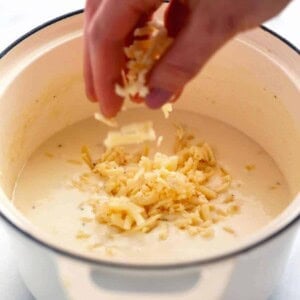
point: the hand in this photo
(200, 28)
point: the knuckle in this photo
(92, 33)
(141, 7)
(96, 36)
(231, 23)
(184, 70)
(174, 75)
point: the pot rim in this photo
(132, 266)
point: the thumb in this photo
(203, 34)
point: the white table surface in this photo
(19, 16)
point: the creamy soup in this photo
(44, 192)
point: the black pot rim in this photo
(131, 266)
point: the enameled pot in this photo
(252, 84)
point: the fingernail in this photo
(158, 97)
(107, 112)
(92, 99)
(90, 95)
(176, 96)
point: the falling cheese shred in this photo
(159, 141)
(109, 122)
(167, 109)
(135, 133)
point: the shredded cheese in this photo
(135, 133)
(167, 109)
(150, 43)
(229, 229)
(82, 235)
(159, 141)
(144, 192)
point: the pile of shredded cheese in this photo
(150, 43)
(188, 189)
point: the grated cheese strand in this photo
(167, 109)
(109, 122)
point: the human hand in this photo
(200, 28)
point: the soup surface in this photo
(46, 195)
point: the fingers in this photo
(260, 11)
(195, 43)
(176, 16)
(90, 9)
(200, 28)
(208, 25)
(88, 75)
(107, 33)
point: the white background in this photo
(19, 16)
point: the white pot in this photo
(252, 84)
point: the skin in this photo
(200, 28)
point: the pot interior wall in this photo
(242, 86)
